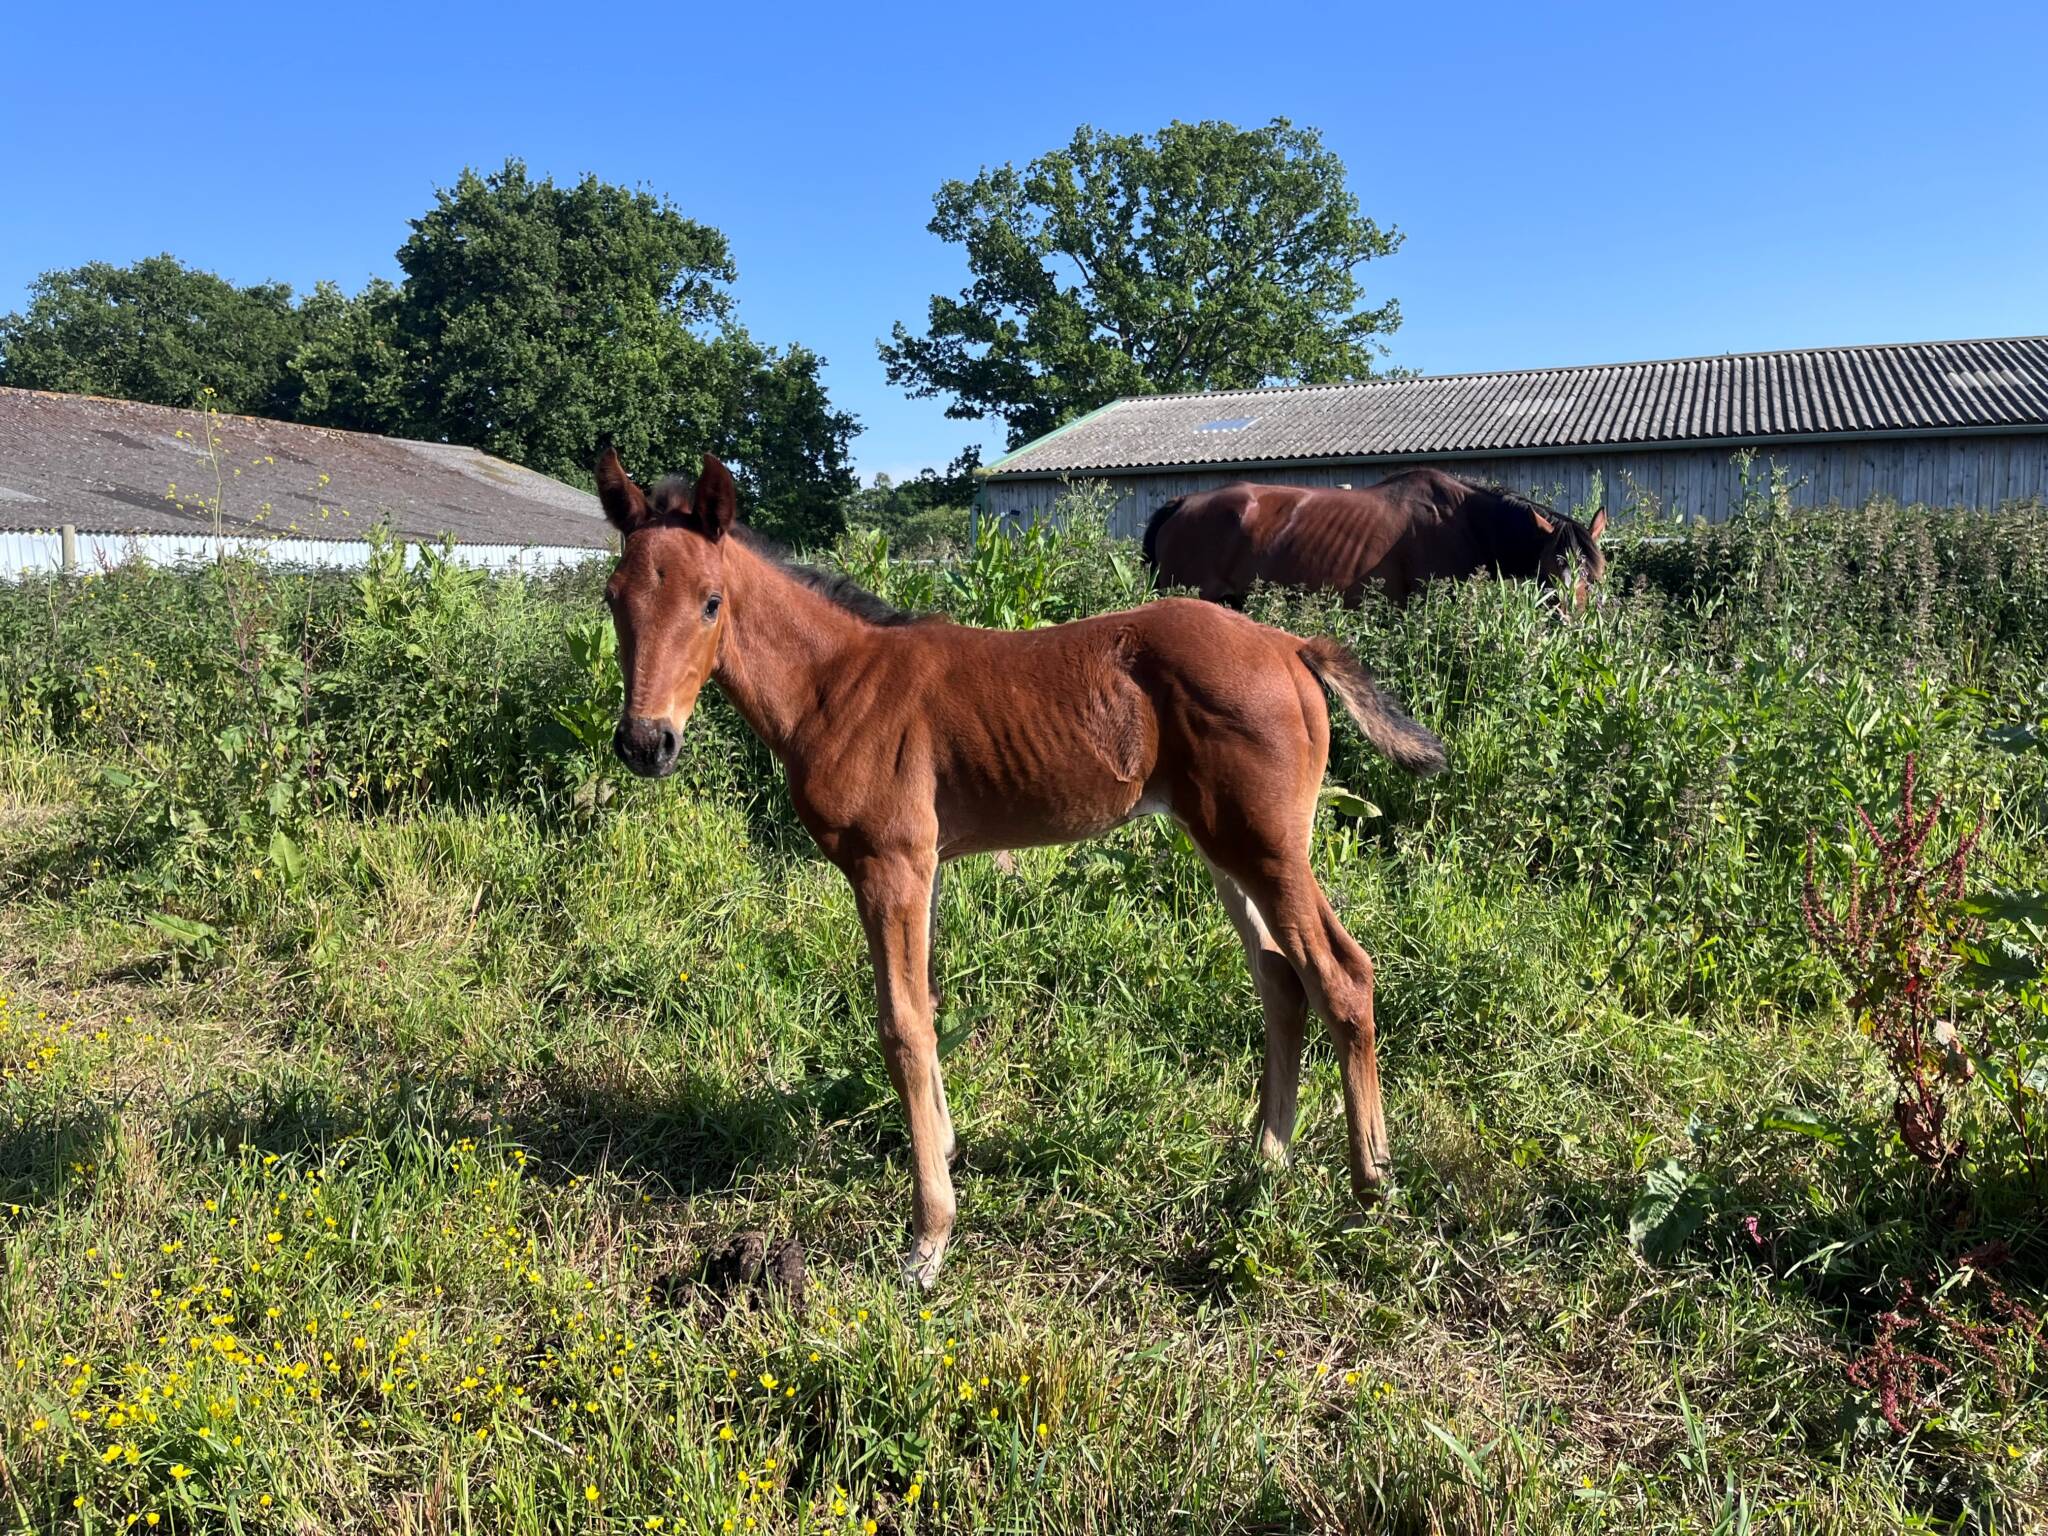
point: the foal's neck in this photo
(782, 641)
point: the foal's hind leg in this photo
(1337, 974)
(1351, 1028)
(1285, 1005)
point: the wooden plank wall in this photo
(1986, 472)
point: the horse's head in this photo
(667, 602)
(1571, 559)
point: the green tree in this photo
(540, 317)
(157, 331)
(1201, 257)
(931, 506)
(787, 446)
(352, 368)
(536, 318)
(532, 320)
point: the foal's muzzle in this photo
(648, 747)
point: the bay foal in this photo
(912, 741)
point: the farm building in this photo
(1960, 423)
(127, 479)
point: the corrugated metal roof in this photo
(116, 466)
(1743, 397)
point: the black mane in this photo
(1580, 535)
(1519, 502)
(840, 591)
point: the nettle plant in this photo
(210, 739)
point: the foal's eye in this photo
(711, 607)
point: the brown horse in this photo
(909, 741)
(1408, 529)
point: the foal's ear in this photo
(1599, 524)
(1543, 523)
(625, 504)
(716, 500)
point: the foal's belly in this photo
(1033, 816)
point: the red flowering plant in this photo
(1899, 933)
(1948, 987)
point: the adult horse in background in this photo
(909, 741)
(1409, 529)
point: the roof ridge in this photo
(352, 433)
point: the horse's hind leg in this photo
(1285, 1005)
(1351, 1028)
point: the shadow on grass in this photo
(41, 1157)
(686, 1140)
(61, 861)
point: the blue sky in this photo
(1576, 183)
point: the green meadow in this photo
(378, 1065)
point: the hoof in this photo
(1372, 1199)
(1272, 1151)
(920, 1268)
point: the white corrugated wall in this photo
(24, 553)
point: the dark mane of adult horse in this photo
(1409, 529)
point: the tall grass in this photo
(458, 1049)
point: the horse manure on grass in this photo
(747, 1262)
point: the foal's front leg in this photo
(894, 894)
(931, 949)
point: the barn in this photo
(87, 482)
(1956, 423)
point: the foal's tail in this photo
(1377, 713)
(1160, 514)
